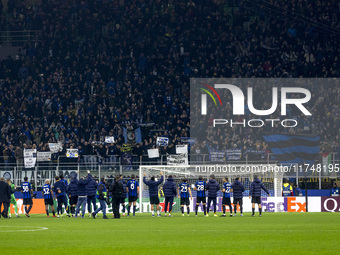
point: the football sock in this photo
(253, 210)
(241, 208)
(182, 209)
(158, 212)
(134, 210)
(47, 212)
(223, 208)
(260, 210)
(25, 209)
(204, 209)
(231, 209)
(188, 209)
(128, 209)
(123, 208)
(29, 209)
(196, 209)
(53, 213)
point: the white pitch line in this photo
(21, 230)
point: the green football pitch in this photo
(274, 233)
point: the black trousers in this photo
(5, 211)
(115, 206)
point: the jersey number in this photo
(184, 189)
(25, 188)
(200, 187)
(132, 186)
(46, 191)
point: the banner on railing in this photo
(177, 160)
(43, 156)
(153, 153)
(72, 153)
(182, 149)
(162, 141)
(30, 157)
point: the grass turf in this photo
(274, 233)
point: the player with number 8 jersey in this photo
(200, 189)
(133, 191)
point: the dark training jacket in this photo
(169, 188)
(72, 188)
(91, 187)
(238, 189)
(153, 186)
(255, 188)
(212, 187)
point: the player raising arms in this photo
(226, 197)
(13, 200)
(48, 197)
(133, 191)
(183, 192)
(200, 188)
(27, 191)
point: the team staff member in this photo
(335, 190)
(169, 193)
(48, 197)
(72, 191)
(82, 195)
(13, 200)
(101, 196)
(116, 190)
(255, 193)
(212, 187)
(67, 207)
(5, 196)
(124, 194)
(91, 190)
(27, 191)
(183, 192)
(59, 188)
(153, 192)
(238, 190)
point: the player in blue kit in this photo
(200, 188)
(226, 197)
(59, 189)
(67, 207)
(183, 192)
(133, 191)
(27, 191)
(48, 197)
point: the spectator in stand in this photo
(335, 190)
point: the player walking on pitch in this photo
(255, 194)
(27, 192)
(226, 197)
(183, 192)
(200, 197)
(13, 200)
(48, 197)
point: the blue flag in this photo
(294, 149)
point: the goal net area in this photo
(270, 175)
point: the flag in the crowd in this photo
(326, 161)
(131, 136)
(294, 149)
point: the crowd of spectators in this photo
(97, 67)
